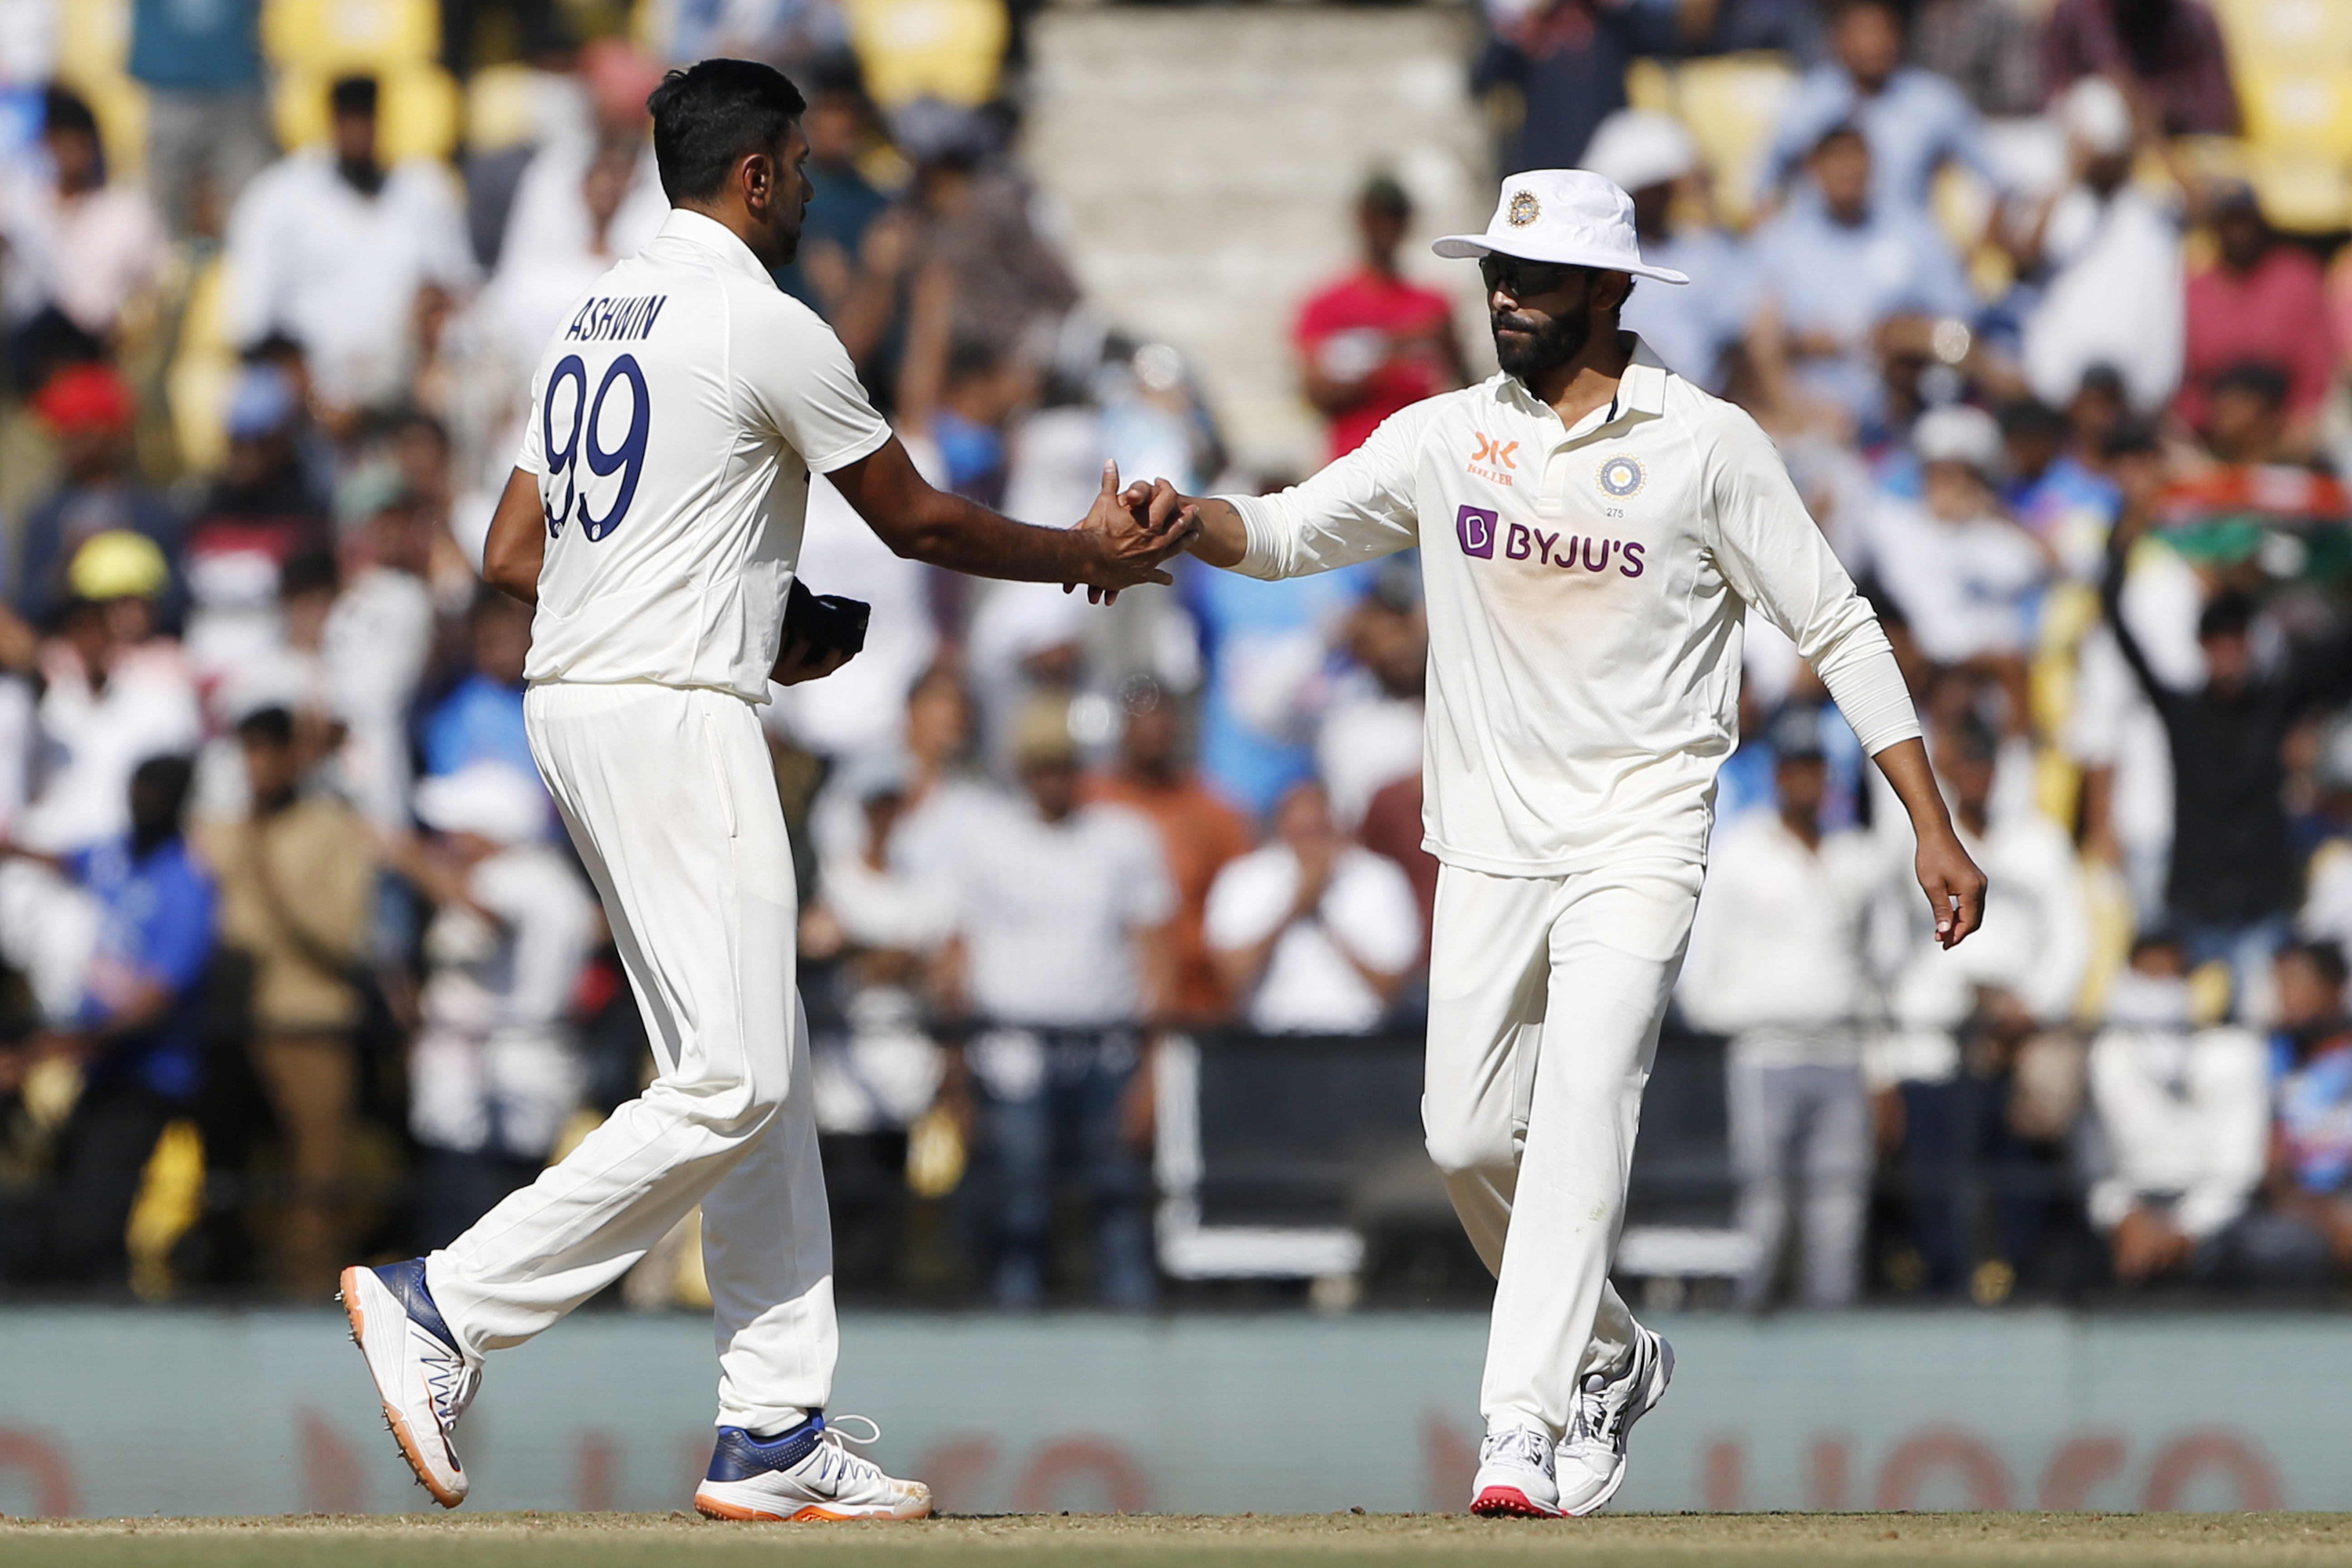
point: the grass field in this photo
(1688, 1541)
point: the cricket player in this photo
(1592, 528)
(655, 517)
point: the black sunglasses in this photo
(1523, 279)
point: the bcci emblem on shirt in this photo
(1622, 476)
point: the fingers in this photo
(1111, 478)
(1166, 505)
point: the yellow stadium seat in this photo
(1730, 103)
(417, 114)
(951, 49)
(2297, 32)
(350, 35)
(203, 372)
(2296, 109)
(93, 38)
(501, 108)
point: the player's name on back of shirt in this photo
(608, 318)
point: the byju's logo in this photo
(1474, 527)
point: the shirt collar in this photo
(715, 237)
(1640, 390)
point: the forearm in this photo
(1904, 764)
(948, 531)
(1224, 538)
(517, 545)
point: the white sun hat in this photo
(1636, 148)
(1571, 217)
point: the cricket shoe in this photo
(1514, 1476)
(1591, 1461)
(419, 1372)
(805, 1474)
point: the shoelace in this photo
(1596, 1414)
(1520, 1445)
(834, 1459)
(449, 1382)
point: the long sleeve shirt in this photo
(2233, 856)
(1585, 590)
(2185, 1117)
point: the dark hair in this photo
(2260, 379)
(1971, 739)
(352, 95)
(1382, 194)
(2030, 416)
(271, 726)
(162, 782)
(308, 572)
(2228, 614)
(64, 111)
(2323, 956)
(712, 115)
(2132, 438)
(1843, 131)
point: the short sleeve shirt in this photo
(675, 420)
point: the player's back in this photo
(671, 425)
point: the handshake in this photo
(1137, 529)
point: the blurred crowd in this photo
(299, 966)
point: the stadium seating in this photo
(93, 46)
(328, 36)
(951, 49)
(1730, 102)
(418, 116)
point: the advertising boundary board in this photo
(110, 1412)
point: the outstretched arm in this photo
(1115, 546)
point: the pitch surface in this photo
(1688, 1541)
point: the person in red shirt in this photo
(1373, 342)
(2263, 300)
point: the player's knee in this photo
(1461, 1148)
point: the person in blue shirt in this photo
(482, 720)
(1915, 121)
(1833, 269)
(135, 1036)
(207, 127)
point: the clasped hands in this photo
(1137, 529)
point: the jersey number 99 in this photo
(584, 442)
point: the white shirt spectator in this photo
(88, 255)
(2184, 1115)
(1050, 912)
(374, 647)
(92, 741)
(2114, 297)
(1776, 953)
(1309, 987)
(547, 259)
(1966, 588)
(1369, 740)
(339, 272)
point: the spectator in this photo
(1318, 935)
(257, 513)
(1831, 271)
(1373, 343)
(2168, 54)
(331, 248)
(378, 636)
(1965, 577)
(1200, 833)
(2234, 878)
(1913, 120)
(79, 251)
(1566, 59)
(1693, 330)
(1990, 49)
(2061, 500)
(1776, 962)
(134, 1035)
(114, 694)
(843, 202)
(2105, 261)
(207, 126)
(1391, 828)
(2183, 1117)
(2247, 416)
(2259, 300)
(2310, 1178)
(296, 875)
(482, 720)
(1372, 719)
(1060, 955)
(89, 409)
(494, 1073)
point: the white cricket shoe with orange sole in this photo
(804, 1475)
(420, 1374)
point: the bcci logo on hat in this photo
(1622, 476)
(1524, 209)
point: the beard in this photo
(1549, 346)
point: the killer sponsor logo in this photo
(1493, 460)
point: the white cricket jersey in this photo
(1585, 590)
(674, 423)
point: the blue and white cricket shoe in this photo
(419, 1372)
(1591, 1460)
(804, 1474)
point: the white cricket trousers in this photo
(1544, 998)
(671, 800)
